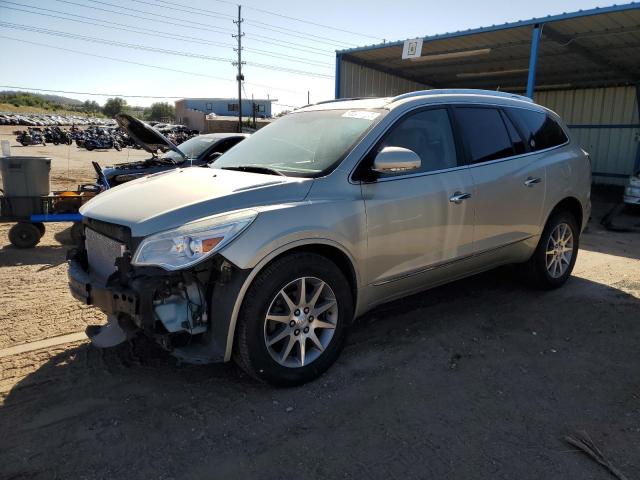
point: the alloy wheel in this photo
(559, 250)
(300, 322)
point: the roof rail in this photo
(460, 91)
(338, 100)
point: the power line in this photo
(308, 22)
(263, 38)
(190, 25)
(209, 27)
(146, 31)
(88, 93)
(211, 13)
(144, 64)
(119, 26)
(157, 50)
(263, 25)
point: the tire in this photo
(536, 270)
(251, 352)
(41, 228)
(24, 235)
(89, 146)
(24, 143)
(117, 146)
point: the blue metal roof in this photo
(506, 26)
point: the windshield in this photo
(192, 148)
(303, 144)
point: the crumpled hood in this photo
(167, 200)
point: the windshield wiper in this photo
(255, 169)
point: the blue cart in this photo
(30, 214)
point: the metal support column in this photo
(636, 166)
(338, 74)
(533, 59)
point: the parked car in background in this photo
(268, 256)
(199, 151)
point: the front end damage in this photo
(186, 311)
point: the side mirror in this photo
(395, 160)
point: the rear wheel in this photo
(24, 235)
(554, 258)
(292, 323)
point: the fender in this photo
(261, 264)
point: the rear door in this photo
(509, 180)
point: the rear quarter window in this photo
(540, 130)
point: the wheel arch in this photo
(325, 247)
(573, 206)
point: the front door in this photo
(421, 219)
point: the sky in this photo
(192, 45)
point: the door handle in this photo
(531, 181)
(458, 197)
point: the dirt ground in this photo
(482, 378)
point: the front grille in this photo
(118, 232)
(102, 252)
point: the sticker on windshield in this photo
(363, 114)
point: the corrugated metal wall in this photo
(588, 111)
(360, 81)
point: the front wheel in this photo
(552, 263)
(292, 323)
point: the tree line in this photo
(160, 111)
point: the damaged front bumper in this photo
(173, 308)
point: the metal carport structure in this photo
(584, 65)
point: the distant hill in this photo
(61, 100)
(30, 99)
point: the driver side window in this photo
(429, 134)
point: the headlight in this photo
(187, 245)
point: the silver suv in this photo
(268, 256)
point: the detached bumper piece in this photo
(109, 335)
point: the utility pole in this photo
(308, 97)
(253, 109)
(239, 63)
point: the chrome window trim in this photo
(459, 167)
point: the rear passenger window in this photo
(540, 130)
(429, 134)
(485, 133)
